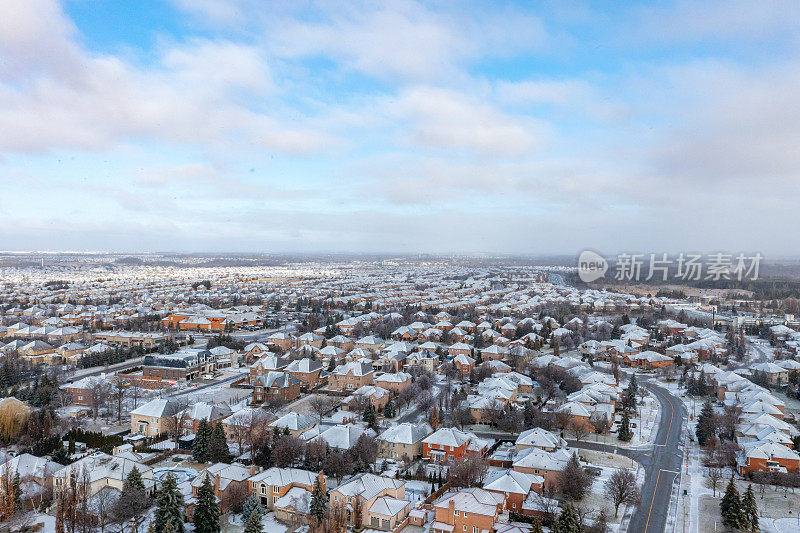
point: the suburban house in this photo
(227, 480)
(295, 423)
(472, 510)
(275, 483)
(449, 443)
(350, 376)
(276, 385)
(156, 417)
(513, 486)
(372, 501)
(394, 382)
(403, 441)
(768, 457)
(265, 364)
(99, 471)
(307, 371)
(191, 416)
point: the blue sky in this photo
(400, 126)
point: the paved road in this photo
(662, 464)
(192, 390)
(97, 370)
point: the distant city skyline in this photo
(400, 127)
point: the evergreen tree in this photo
(319, 503)
(369, 415)
(633, 385)
(200, 444)
(206, 513)
(264, 454)
(17, 489)
(61, 456)
(706, 423)
(537, 526)
(388, 410)
(218, 451)
(169, 511)
(624, 433)
(568, 521)
(749, 512)
(730, 506)
(252, 505)
(253, 524)
(133, 480)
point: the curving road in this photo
(661, 462)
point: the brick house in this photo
(513, 486)
(447, 444)
(191, 416)
(276, 385)
(768, 457)
(307, 371)
(227, 480)
(472, 510)
(395, 382)
(156, 417)
(350, 376)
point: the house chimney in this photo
(252, 470)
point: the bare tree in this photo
(321, 405)
(714, 478)
(337, 465)
(621, 488)
(468, 471)
(462, 417)
(235, 496)
(103, 503)
(118, 392)
(425, 401)
(135, 392)
(287, 451)
(563, 420)
(97, 396)
(600, 423)
(579, 429)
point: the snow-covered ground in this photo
(269, 524)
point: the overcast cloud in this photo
(400, 126)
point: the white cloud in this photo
(441, 118)
(194, 96)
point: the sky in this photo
(400, 126)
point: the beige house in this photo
(350, 376)
(100, 471)
(379, 500)
(156, 417)
(402, 441)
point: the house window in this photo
(276, 489)
(474, 529)
(456, 513)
